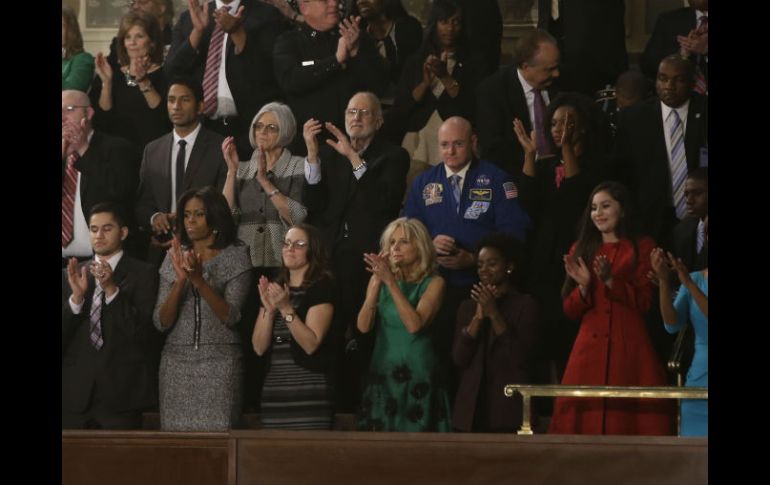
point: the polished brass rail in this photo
(527, 391)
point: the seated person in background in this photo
(293, 326)
(691, 304)
(437, 82)
(396, 35)
(203, 285)
(77, 66)
(494, 341)
(129, 101)
(108, 376)
(405, 390)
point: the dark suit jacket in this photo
(499, 99)
(206, 167)
(685, 245)
(493, 361)
(315, 84)
(640, 160)
(663, 42)
(592, 39)
(249, 74)
(122, 371)
(366, 205)
(109, 172)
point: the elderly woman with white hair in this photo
(264, 192)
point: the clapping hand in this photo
(603, 269)
(262, 286)
(342, 144)
(378, 265)
(577, 270)
(277, 295)
(528, 143)
(77, 280)
(484, 296)
(351, 33)
(310, 130)
(199, 14)
(229, 22)
(103, 69)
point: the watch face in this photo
(289, 318)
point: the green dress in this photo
(405, 389)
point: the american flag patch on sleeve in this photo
(511, 192)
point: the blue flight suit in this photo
(488, 203)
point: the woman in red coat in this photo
(607, 289)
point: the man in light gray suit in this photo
(188, 157)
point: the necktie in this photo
(700, 237)
(700, 80)
(390, 51)
(678, 163)
(68, 199)
(211, 74)
(180, 156)
(454, 181)
(544, 149)
(96, 318)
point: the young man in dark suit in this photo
(109, 372)
(188, 157)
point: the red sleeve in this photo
(633, 289)
(574, 305)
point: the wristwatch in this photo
(288, 318)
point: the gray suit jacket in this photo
(206, 167)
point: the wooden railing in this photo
(528, 391)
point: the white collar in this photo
(524, 84)
(460, 172)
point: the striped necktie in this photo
(96, 318)
(454, 181)
(678, 163)
(211, 74)
(68, 200)
(700, 237)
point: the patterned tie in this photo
(96, 318)
(678, 163)
(544, 149)
(700, 80)
(68, 200)
(180, 156)
(454, 181)
(211, 74)
(700, 237)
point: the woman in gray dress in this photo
(203, 285)
(264, 192)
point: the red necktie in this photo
(211, 74)
(68, 199)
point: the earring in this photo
(215, 231)
(509, 271)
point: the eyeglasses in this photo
(72, 107)
(271, 128)
(355, 112)
(298, 244)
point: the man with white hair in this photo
(355, 185)
(95, 168)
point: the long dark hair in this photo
(442, 10)
(594, 129)
(317, 259)
(589, 237)
(218, 217)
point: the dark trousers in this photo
(443, 329)
(98, 416)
